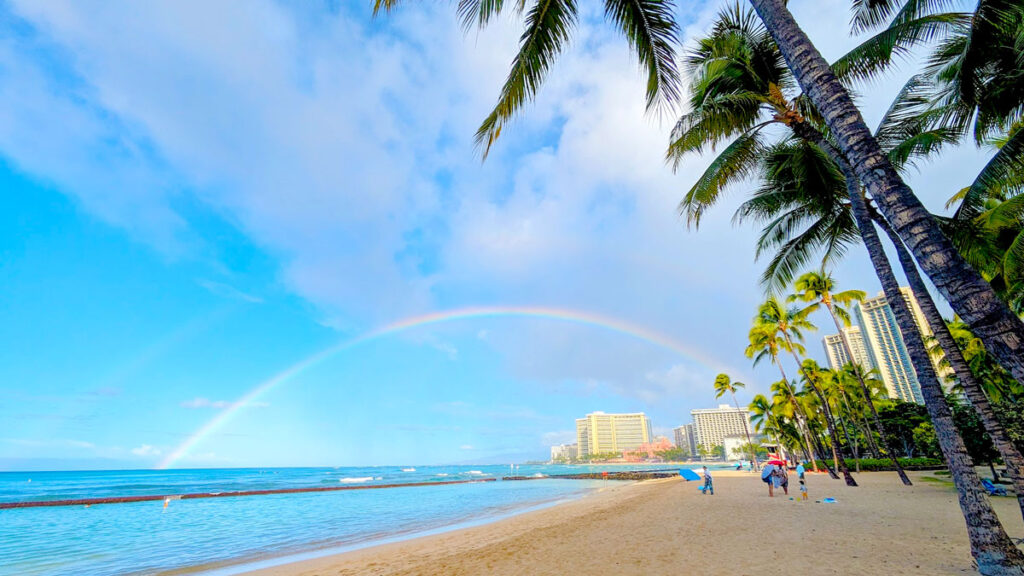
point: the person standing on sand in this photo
(800, 471)
(768, 477)
(708, 484)
(784, 479)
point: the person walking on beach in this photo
(803, 490)
(768, 477)
(784, 479)
(800, 471)
(708, 484)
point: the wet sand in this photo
(669, 527)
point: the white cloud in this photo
(466, 447)
(343, 148)
(146, 450)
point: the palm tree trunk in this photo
(808, 133)
(968, 293)
(746, 430)
(800, 418)
(972, 388)
(992, 549)
(840, 462)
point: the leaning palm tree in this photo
(817, 288)
(989, 543)
(765, 343)
(967, 292)
(789, 323)
(723, 385)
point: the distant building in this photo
(686, 438)
(648, 451)
(714, 424)
(563, 452)
(600, 433)
(836, 351)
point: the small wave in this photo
(539, 475)
(408, 469)
(476, 473)
(358, 480)
(441, 474)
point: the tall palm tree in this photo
(817, 288)
(789, 323)
(724, 384)
(966, 291)
(989, 543)
(765, 343)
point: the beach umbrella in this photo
(777, 462)
(767, 471)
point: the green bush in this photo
(878, 465)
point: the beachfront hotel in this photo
(878, 338)
(714, 424)
(600, 433)
(686, 438)
(564, 452)
(836, 351)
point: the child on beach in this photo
(803, 490)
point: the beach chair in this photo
(992, 489)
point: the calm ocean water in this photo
(146, 538)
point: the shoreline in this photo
(263, 562)
(667, 526)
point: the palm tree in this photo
(725, 384)
(817, 287)
(789, 323)
(989, 543)
(966, 291)
(765, 343)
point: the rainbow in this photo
(558, 314)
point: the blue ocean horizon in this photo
(147, 538)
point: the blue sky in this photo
(197, 197)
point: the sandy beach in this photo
(668, 526)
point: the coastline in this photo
(667, 525)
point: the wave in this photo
(408, 469)
(358, 480)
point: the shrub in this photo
(879, 465)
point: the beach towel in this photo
(992, 489)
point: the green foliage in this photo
(900, 419)
(674, 455)
(884, 464)
(926, 441)
(1011, 415)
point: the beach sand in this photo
(669, 527)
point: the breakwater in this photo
(153, 497)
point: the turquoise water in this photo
(144, 537)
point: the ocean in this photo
(149, 538)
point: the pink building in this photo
(648, 450)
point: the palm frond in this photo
(1005, 167)
(548, 26)
(649, 26)
(735, 162)
(479, 12)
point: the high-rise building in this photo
(836, 351)
(884, 342)
(714, 424)
(600, 433)
(686, 438)
(563, 452)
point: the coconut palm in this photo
(966, 291)
(724, 384)
(765, 343)
(789, 324)
(988, 540)
(817, 288)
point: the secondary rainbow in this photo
(558, 314)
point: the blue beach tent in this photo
(688, 474)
